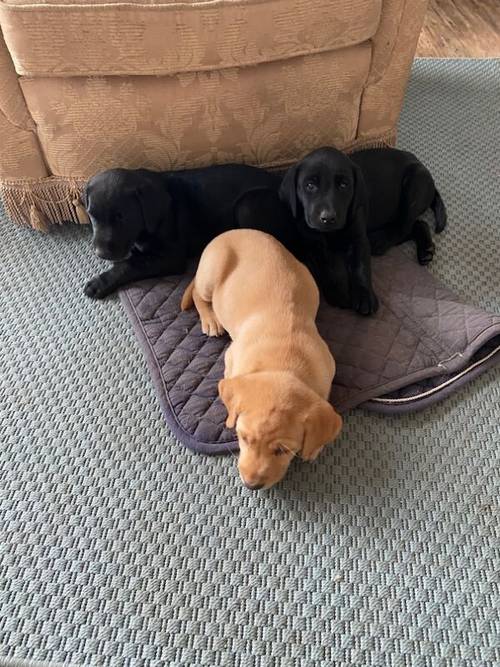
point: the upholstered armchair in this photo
(167, 84)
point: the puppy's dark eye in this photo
(279, 451)
(311, 186)
(341, 184)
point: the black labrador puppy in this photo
(344, 208)
(328, 200)
(150, 223)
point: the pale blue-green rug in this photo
(120, 547)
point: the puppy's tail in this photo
(440, 214)
(187, 298)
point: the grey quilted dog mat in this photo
(422, 344)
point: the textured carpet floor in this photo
(120, 547)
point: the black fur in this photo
(328, 199)
(149, 223)
(400, 190)
(343, 206)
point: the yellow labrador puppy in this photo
(279, 371)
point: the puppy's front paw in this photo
(97, 288)
(211, 326)
(365, 301)
(426, 255)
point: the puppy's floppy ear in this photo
(228, 395)
(155, 202)
(359, 202)
(288, 189)
(84, 197)
(81, 205)
(322, 425)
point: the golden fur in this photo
(278, 371)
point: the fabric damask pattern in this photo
(163, 84)
(199, 118)
(383, 96)
(82, 39)
(20, 155)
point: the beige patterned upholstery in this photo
(167, 84)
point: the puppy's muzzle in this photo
(326, 220)
(111, 255)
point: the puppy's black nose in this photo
(254, 487)
(101, 253)
(327, 217)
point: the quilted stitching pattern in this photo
(421, 328)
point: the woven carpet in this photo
(120, 547)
